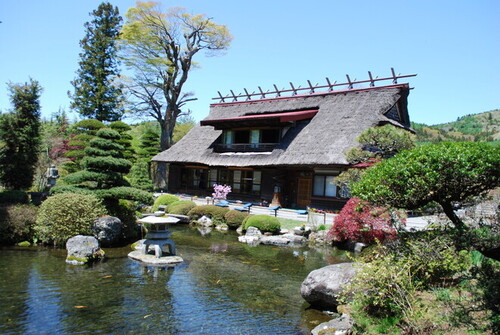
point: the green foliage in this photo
(13, 197)
(264, 223)
(164, 199)
(125, 210)
(234, 218)
(65, 215)
(211, 211)
(20, 136)
(95, 93)
(16, 223)
(181, 207)
(128, 193)
(444, 173)
(107, 164)
(482, 127)
(139, 175)
(380, 142)
(88, 126)
(375, 144)
(388, 285)
(151, 40)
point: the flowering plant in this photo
(221, 191)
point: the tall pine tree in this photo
(20, 136)
(97, 94)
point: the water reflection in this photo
(223, 287)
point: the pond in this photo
(222, 287)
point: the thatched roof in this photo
(322, 141)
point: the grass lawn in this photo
(290, 224)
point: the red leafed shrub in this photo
(362, 222)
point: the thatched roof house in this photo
(294, 144)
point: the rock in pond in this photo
(287, 239)
(205, 221)
(252, 236)
(343, 325)
(83, 249)
(322, 287)
(108, 230)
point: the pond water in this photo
(223, 287)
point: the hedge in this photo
(264, 223)
(234, 218)
(181, 207)
(212, 211)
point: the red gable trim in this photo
(281, 117)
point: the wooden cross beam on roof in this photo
(312, 89)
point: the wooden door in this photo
(304, 190)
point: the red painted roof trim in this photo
(361, 89)
(282, 117)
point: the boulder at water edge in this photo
(108, 230)
(322, 287)
(83, 249)
(343, 325)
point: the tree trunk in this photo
(161, 177)
(450, 213)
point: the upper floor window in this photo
(250, 139)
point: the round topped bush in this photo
(65, 215)
(212, 211)
(181, 207)
(235, 218)
(164, 199)
(264, 223)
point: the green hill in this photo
(482, 127)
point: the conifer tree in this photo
(97, 95)
(20, 136)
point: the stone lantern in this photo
(158, 238)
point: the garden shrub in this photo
(65, 215)
(125, 210)
(13, 197)
(16, 223)
(362, 222)
(181, 207)
(264, 223)
(388, 285)
(212, 211)
(164, 199)
(234, 218)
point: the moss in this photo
(24, 244)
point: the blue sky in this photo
(453, 46)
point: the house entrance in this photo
(304, 190)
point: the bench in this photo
(222, 203)
(244, 208)
(275, 209)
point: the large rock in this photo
(108, 230)
(252, 236)
(205, 221)
(83, 249)
(322, 287)
(280, 240)
(343, 325)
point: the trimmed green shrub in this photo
(16, 223)
(235, 218)
(65, 215)
(181, 207)
(164, 199)
(13, 197)
(129, 193)
(212, 211)
(264, 223)
(125, 210)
